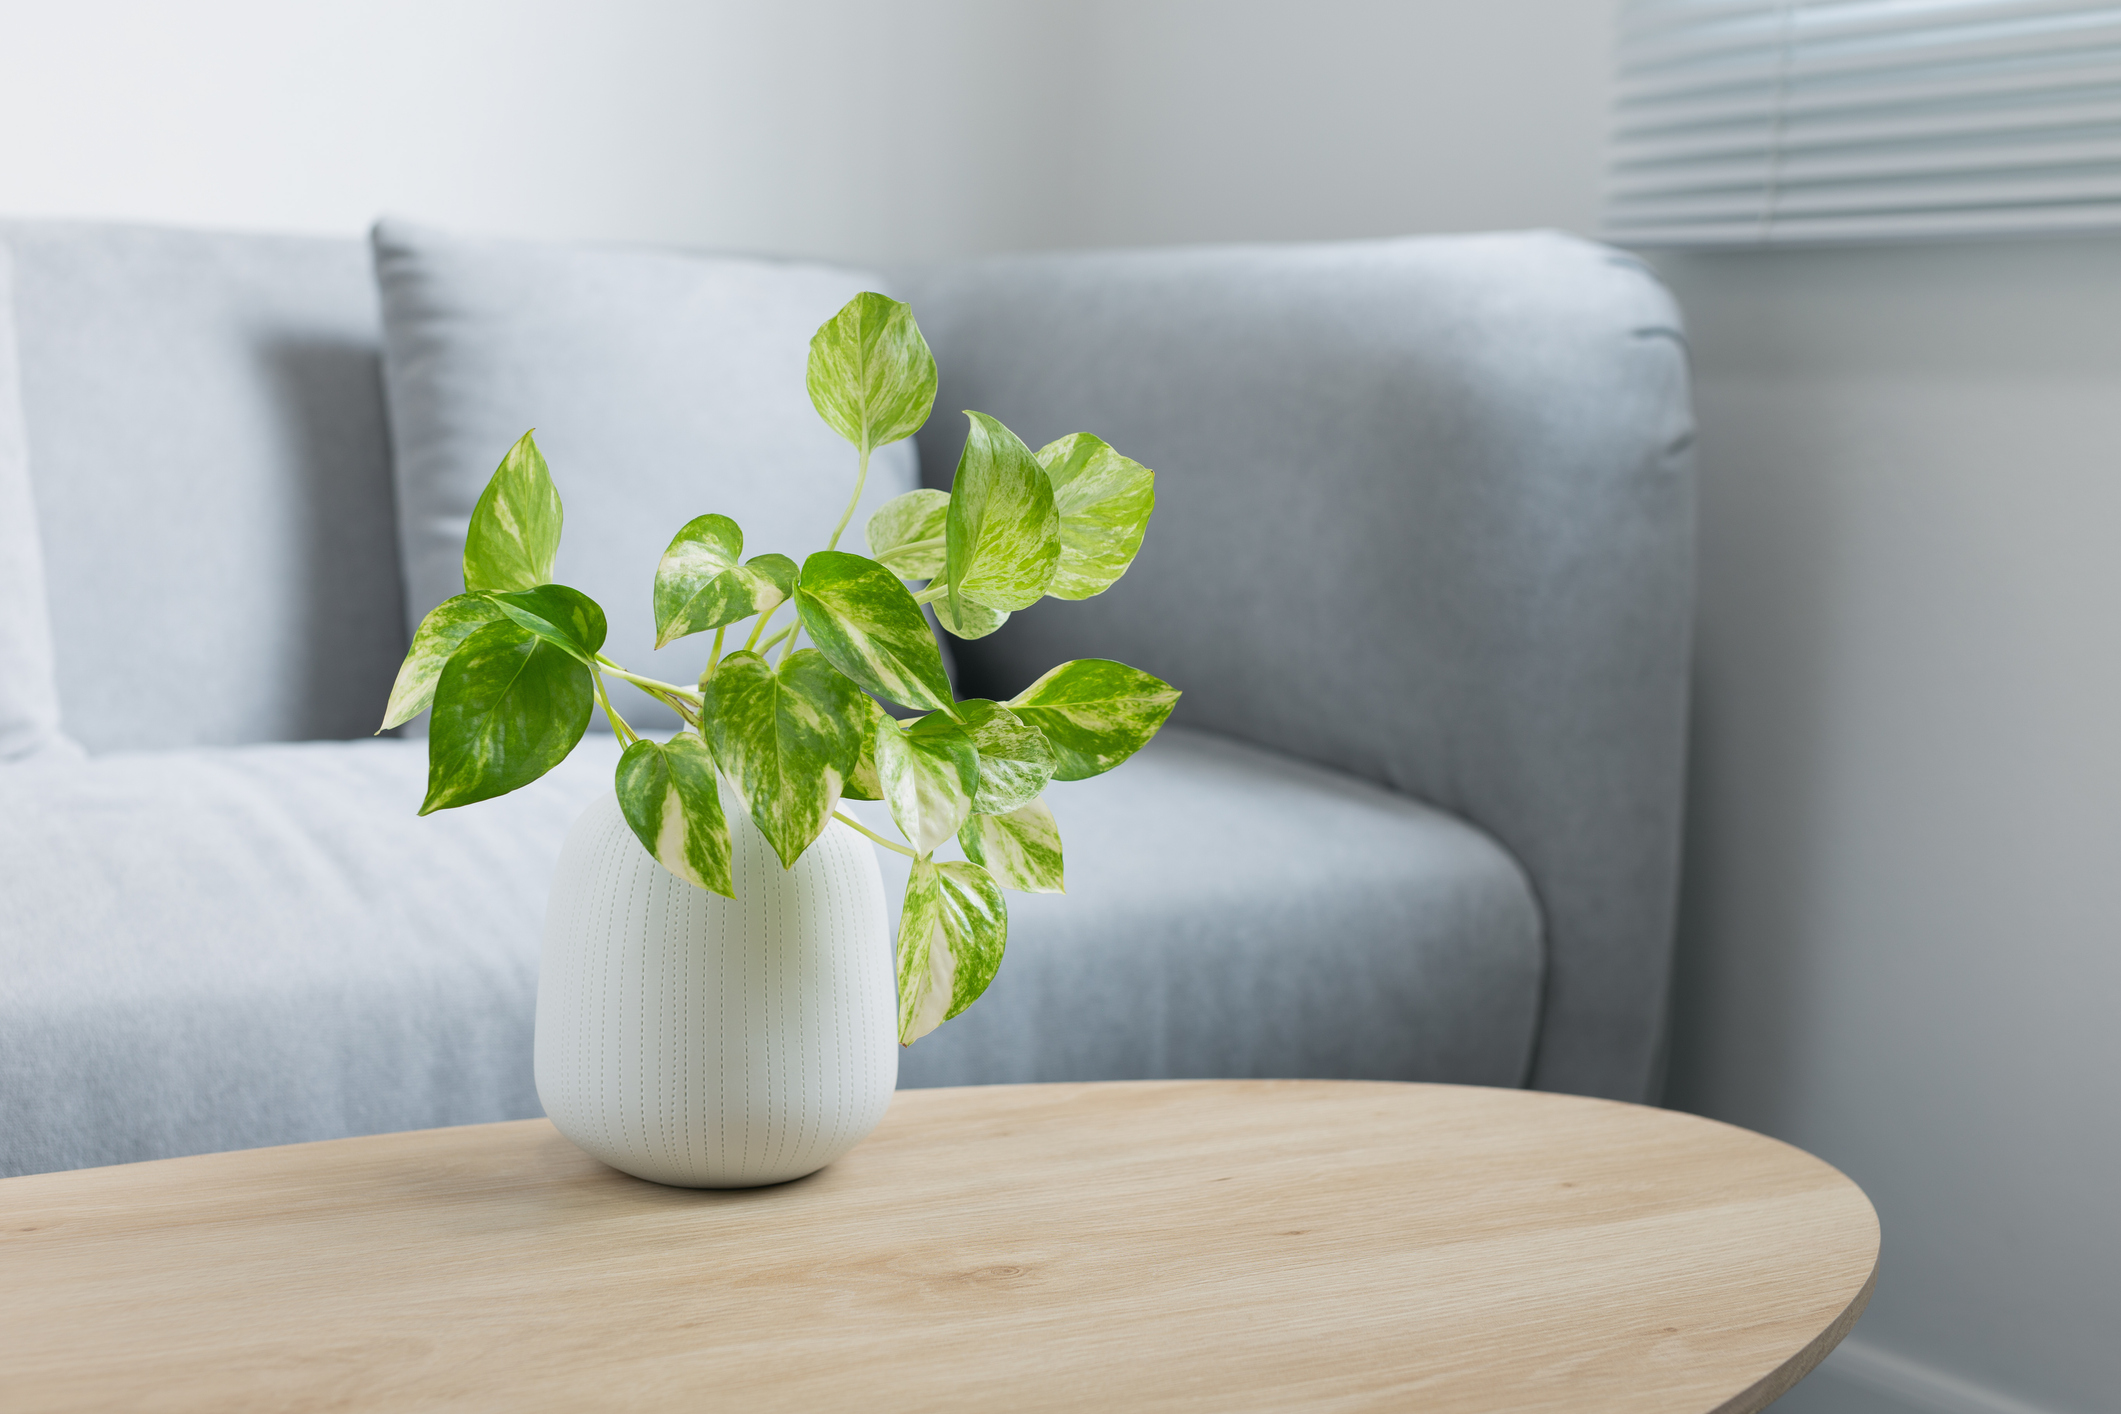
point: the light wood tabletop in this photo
(1198, 1245)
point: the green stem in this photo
(860, 478)
(932, 593)
(751, 644)
(846, 819)
(788, 632)
(647, 685)
(714, 655)
(626, 734)
(788, 647)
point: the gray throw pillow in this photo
(29, 693)
(662, 385)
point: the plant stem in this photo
(751, 644)
(846, 819)
(767, 646)
(714, 655)
(861, 476)
(648, 685)
(932, 593)
(627, 735)
(788, 647)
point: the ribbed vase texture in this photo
(707, 1042)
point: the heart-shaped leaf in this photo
(1095, 713)
(861, 618)
(1021, 849)
(929, 772)
(515, 528)
(699, 583)
(1104, 501)
(448, 624)
(788, 739)
(565, 617)
(871, 376)
(1002, 532)
(951, 933)
(508, 707)
(1015, 761)
(906, 533)
(668, 793)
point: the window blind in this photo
(1770, 122)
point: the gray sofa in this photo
(1421, 563)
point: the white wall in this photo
(1902, 946)
(1900, 938)
(830, 127)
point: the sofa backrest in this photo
(1425, 514)
(209, 456)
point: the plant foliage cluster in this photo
(513, 666)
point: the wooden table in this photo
(1210, 1245)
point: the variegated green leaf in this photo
(871, 376)
(1002, 532)
(862, 782)
(565, 617)
(787, 739)
(1014, 760)
(1095, 713)
(1104, 501)
(1021, 849)
(929, 772)
(447, 625)
(951, 933)
(971, 620)
(906, 534)
(699, 583)
(668, 793)
(861, 617)
(515, 528)
(508, 707)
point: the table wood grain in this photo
(1210, 1245)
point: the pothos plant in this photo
(513, 665)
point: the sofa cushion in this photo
(205, 419)
(1233, 912)
(213, 949)
(222, 948)
(29, 694)
(663, 386)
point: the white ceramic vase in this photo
(713, 1043)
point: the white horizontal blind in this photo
(1770, 122)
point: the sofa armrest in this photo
(1425, 514)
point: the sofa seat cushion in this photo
(1233, 912)
(223, 948)
(228, 947)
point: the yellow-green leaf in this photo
(1021, 849)
(969, 620)
(871, 376)
(862, 782)
(906, 534)
(1095, 713)
(929, 772)
(787, 739)
(1015, 761)
(700, 584)
(861, 618)
(668, 793)
(1002, 531)
(1104, 501)
(952, 930)
(448, 624)
(515, 528)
